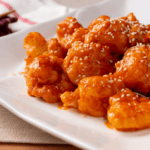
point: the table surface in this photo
(12, 146)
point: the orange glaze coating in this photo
(86, 57)
(70, 98)
(55, 49)
(95, 91)
(45, 78)
(114, 32)
(98, 21)
(137, 34)
(84, 60)
(127, 111)
(134, 68)
(35, 44)
(65, 29)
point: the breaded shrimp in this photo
(45, 78)
(128, 111)
(84, 60)
(134, 68)
(65, 29)
(35, 44)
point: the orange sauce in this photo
(60, 106)
(109, 125)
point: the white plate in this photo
(69, 125)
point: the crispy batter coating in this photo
(134, 68)
(45, 78)
(119, 33)
(137, 34)
(92, 94)
(128, 111)
(65, 29)
(70, 98)
(113, 32)
(130, 17)
(55, 49)
(95, 92)
(84, 60)
(35, 44)
(98, 21)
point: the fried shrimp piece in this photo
(91, 96)
(84, 60)
(112, 32)
(137, 34)
(130, 17)
(128, 111)
(45, 78)
(55, 49)
(70, 98)
(134, 68)
(35, 44)
(65, 29)
(98, 21)
(95, 92)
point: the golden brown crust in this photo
(65, 29)
(84, 60)
(55, 49)
(129, 110)
(35, 44)
(45, 78)
(134, 68)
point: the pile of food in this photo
(102, 70)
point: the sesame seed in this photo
(102, 82)
(119, 80)
(128, 95)
(111, 61)
(109, 86)
(146, 75)
(141, 61)
(124, 69)
(122, 95)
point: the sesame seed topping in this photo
(141, 61)
(124, 69)
(109, 86)
(128, 95)
(122, 95)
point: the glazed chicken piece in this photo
(45, 78)
(35, 44)
(134, 68)
(70, 98)
(112, 32)
(65, 29)
(128, 111)
(138, 34)
(93, 93)
(55, 49)
(119, 34)
(84, 60)
(98, 21)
